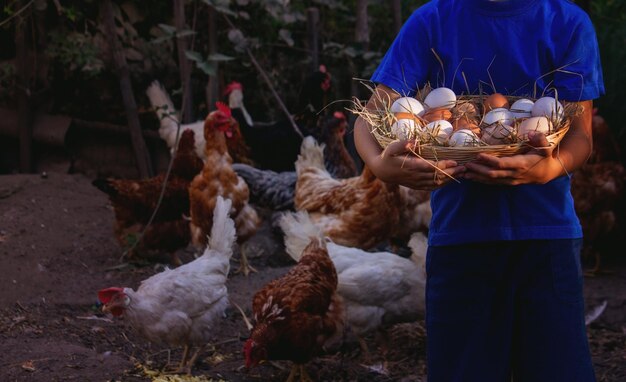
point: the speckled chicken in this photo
(299, 314)
(180, 307)
(218, 178)
(360, 212)
(134, 202)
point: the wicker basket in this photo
(383, 119)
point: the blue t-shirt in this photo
(515, 47)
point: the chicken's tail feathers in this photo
(165, 110)
(311, 155)
(223, 232)
(105, 185)
(299, 231)
(419, 246)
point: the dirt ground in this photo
(57, 249)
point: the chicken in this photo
(218, 178)
(179, 307)
(275, 190)
(169, 129)
(598, 192)
(378, 289)
(298, 315)
(263, 139)
(135, 201)
(360, 212)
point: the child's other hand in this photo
(398, 165)
(529, 167)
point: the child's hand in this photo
(398, 165)
(526, 168)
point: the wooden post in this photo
(313, 25)
(396, 9)
(212, 86)
(24, 91)
(184, 66)
(121, 66)
(361, 36)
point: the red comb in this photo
(232, 86)
(105, 295)
(221, 106)
(322, 68)
(339, 115)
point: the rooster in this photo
(169, 129)
(378, 289)
(276, 190)
(264, 138)
(218, 178)
(298, 315)
(179, 307)
(361, 211)
(135, 201)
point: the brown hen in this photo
(134, 202)
(298, 315)
(218, 178)
(360, 212)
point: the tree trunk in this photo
(23, 92)
(313, 25)
(183, 63)
(121, 67)
(361, 37)
(396, 9)
(212, 87)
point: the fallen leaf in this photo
(28, 366)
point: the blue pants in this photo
(506, 311)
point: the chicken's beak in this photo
(106, 308)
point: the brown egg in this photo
(495, 101)
(465, 123)
(437, 115)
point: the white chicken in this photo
(180, 306)
(169, 119)
(378, 288)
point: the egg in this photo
(463, 137)
(407, 105)
(465, 123)
(522, 108)
(465, 109)
(499, 134)
(547, 107)
(440, 97)
(500, 115)
(495, 101)
(437, 114)
(404, 129)
(540, 124)
(439, 130)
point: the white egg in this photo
(404, 129)
(440, 97)
(540, 124)
(439, 130)
(522, 108)
(547, 107)
(463, 137)
(407, 105)
(498, 134)
(499, 115)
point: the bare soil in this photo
(57, 249)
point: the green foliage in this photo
(7, 81)
(75, 51)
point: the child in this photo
(504, 287)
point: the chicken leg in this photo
(299, 369)
(244, 265)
